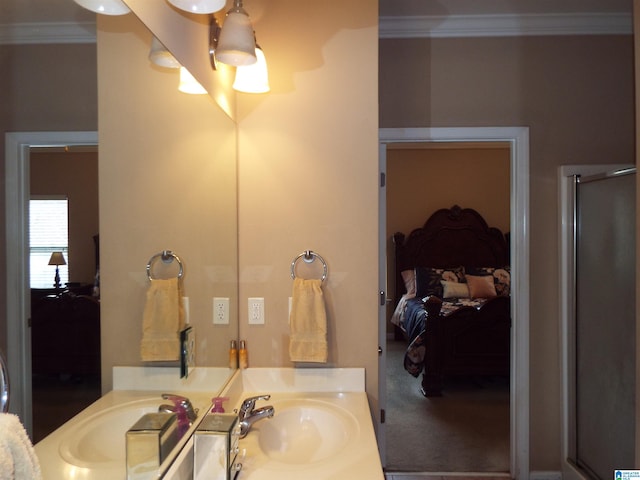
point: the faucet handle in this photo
(249, 403)
(182, 404)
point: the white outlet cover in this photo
(220, 311)
(255, 311)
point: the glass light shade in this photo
(57, 258)
(198, 6)
(188, 84)
(253, 78)
(106, 7)
(161, 56)
(237, 43)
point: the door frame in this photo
(518, 138)
(17, 192)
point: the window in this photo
(48, 233)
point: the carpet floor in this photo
(465, 430)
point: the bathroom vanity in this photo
(321, 427)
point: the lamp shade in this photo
(107, 7)
(253, 78)
(160, 56)
(57, 258)
(198, 6)
(237, 43)
(188, 83)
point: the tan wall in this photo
(308, 167)
(43, 88)
(421, 181)
(576, 96)
(167, 181)
(74, 175)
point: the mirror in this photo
(167, 181)
(155, 193)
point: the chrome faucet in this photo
(248, 414)
(180, 405)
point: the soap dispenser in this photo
(217, 404)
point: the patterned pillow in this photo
(428, 279)
(455, 289)
(501, 277)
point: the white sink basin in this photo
(99, 440)
(305, 431)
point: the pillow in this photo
(481, 286)
(409, 278)
(454, 289)
(501, 277)
(428, 279)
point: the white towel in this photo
(308, 322)
(162, 321)
(18, 460)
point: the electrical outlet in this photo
(220, 311)
(256, 311)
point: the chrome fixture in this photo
(180, 404)
(248, 414)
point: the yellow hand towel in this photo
(162, 321)
(308, 322)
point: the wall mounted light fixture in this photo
(106, 7)
(188, 83)
(237, 44)
(198, 6)
(253, 78)
(160, 56)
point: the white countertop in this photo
(131, 384)
(359, 459)
(343, 388)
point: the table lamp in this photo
(57, 259)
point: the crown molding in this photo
(505, 25)
(508, 25)
(37, 33)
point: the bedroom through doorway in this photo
(494, 397)
(468, 426)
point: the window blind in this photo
(48, 233)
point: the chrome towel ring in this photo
(308, 256)
(167, 256)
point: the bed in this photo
(453, 298)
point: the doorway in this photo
(18, 145)
(517, 138)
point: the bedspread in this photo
(414, 323)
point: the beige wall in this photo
(43, 88)
(575, 94)
(308, 166)
(167, 181)
(74, 175)
(423, 180)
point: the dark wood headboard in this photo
(451, 237)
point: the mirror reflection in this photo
(163, 183)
